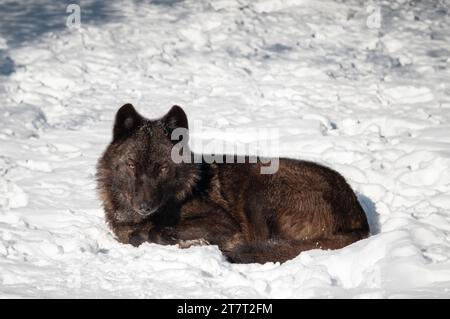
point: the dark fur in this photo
(252, 217)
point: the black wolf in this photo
(251, 217)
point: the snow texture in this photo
(369, 100)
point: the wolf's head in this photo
(136, 175)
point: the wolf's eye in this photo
(163, 169)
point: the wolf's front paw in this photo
(193, 242)
(137, 238)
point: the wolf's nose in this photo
(145, 206)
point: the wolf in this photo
(251, 217)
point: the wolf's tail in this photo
(283, 250)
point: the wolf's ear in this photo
(175, 118)
(127, 120)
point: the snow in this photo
(373, 103)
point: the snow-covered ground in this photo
(369, 98)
